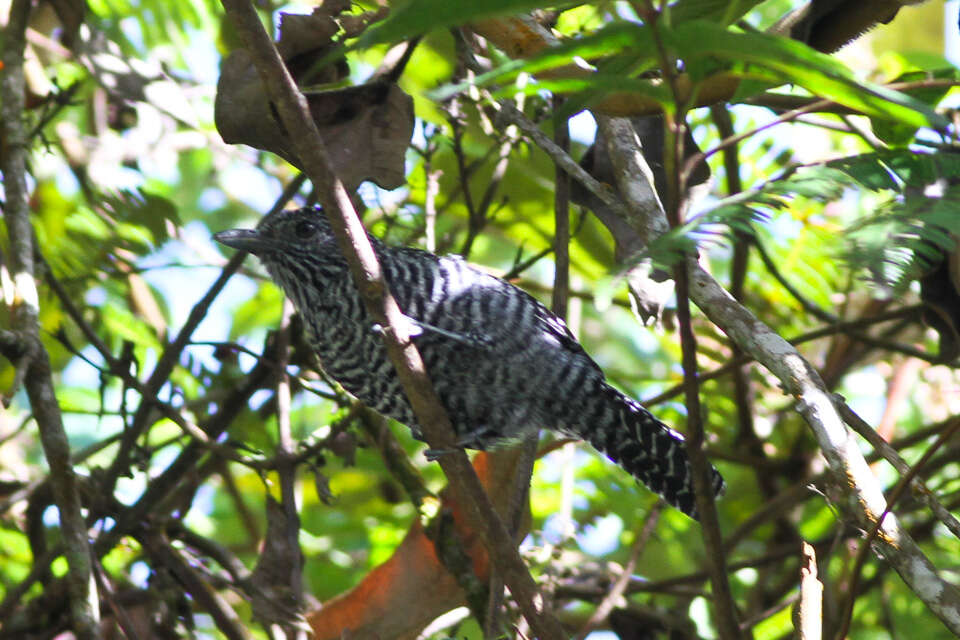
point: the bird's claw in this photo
(435, 454)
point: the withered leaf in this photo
(366, 128)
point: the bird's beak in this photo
(243, 239)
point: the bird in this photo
(501, 362)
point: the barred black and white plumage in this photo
(500, 361)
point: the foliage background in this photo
(127, 186)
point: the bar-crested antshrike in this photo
(500, 361)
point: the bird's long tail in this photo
(646, 448)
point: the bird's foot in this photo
(435, 454)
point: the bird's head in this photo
(290, 232)
(298, 249)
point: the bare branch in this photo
(865, 495)
(383, 308)
(84, 608)
(799, 379)
(809, 612)
(287, 471)
(626, 154)
(623, 580)
(889, 454)
(226, 619)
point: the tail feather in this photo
(647, 449)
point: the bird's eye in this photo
(305, 229)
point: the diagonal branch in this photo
(864, 495)
(309, 147)
(884, 449)
(799, 379)
(38, 381)
(628, 163)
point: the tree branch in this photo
(162, 485)
(172, 351)
(84, 607)
(883, 448)
(368, 276)
(864, 496)
(631, 170)
(799, 379)
(287, 472)
(158, 547)
(616, 592)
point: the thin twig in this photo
(864, 495)
(226, 619)
(890, 454)
(163, 369)
(898, 491)
(475, 218)
(121, 614)
(162, 485)
(287, 473)
(807, 305)
(724, 609)
(742, 388)
(608, 196)
(171, 352)
(839, 327)
(787, 116)
(620, 585)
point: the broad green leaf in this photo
(79, 399)
(618, 38)
(820, 74)
(721, 11)
(760, 58)
(122, 324)
(260, 311)
(897, 134)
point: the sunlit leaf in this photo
(721, 11)
(897, 169)
(820, 74)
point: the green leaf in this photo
(586, 91)
(122, 325)
(144, 209)
(898, 168)
(618, 38)
(900, 135)
(414, 17)
(262, 310)
(820, 183)
(720, 11)
(904, 237)
(764, 60)
(796, 62)
(739, 213)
